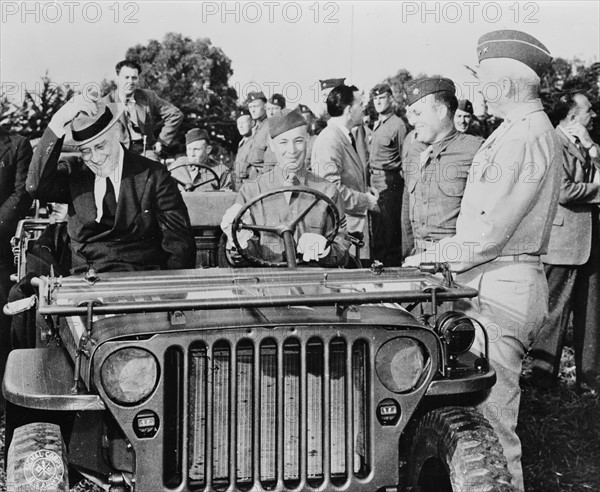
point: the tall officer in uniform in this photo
(385, 166)
(504, 224)
(437, 163)
(572, 263)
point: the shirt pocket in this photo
(453, 179)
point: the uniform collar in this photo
(524, 109)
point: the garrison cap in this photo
(303, 108)
(381, 89)
(517, 45)
(253, 96)
(278, 100)
(419, 88)
(330, 83)
(196, 134)
(465, 105)
(282, 123)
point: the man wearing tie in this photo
(572, 263)
(335, 158)
(289, 137)
(437, 162)
(125, 211)
(143, 111)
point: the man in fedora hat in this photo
(125, 211)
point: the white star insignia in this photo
(416, 91)
(485, 50)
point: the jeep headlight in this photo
(457, 331)
(129, 375)
(400, 364)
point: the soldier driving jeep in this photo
(310, 216)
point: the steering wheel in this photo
(286, 230)
(192, 187)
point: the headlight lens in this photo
(457, 330)
(400, 364)
(129, 375)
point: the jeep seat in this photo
(206, 209)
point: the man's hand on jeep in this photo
(312, 246)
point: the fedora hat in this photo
(84, 128)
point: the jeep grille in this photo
(275, 413)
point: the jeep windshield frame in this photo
(156, 291)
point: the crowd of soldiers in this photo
(515, 216)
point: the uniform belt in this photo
(523, 258)
(381, 172)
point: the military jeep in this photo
(252, 379)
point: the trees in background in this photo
(194, 76)
(32, 116)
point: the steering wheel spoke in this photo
(284, 231)
(193, 186)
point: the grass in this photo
(559, 430)
(560, 434)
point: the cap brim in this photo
(117, 111)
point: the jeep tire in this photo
(37, 459)
(455, 449)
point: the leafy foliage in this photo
(35, 112)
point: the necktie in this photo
(290, 180)
(109, 206)
(352, 139)
(425, 156)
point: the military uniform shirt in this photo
(258, 142)
(386, 143)
(512, 193)
(436, 185)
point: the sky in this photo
(281, 46)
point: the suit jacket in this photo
(571, 234)
(275, 210)
(150, 110)
(15, 156)
(334, 159)
(152, 226)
